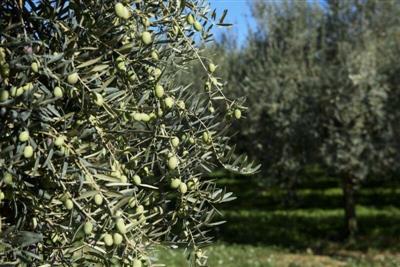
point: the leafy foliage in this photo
(102, 154)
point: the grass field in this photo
(263, 231)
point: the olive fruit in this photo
(137, 180)
(117, 238)
(28, 151)
(98, 199)
(120, 225)
(175, 183)
(169, 102)
(4, 95)
(154, 55)
(35, 67)
(122, 11)
(59, 141)
(159, 91)
(190, 19)
(206, 137)
(181, 104)
(68, 204)
(212, 67)
(139, 209)
(183, 188)
(238, 114)
(172, 163)
(132, 202)
(7, 178)
(23, 136)
(175, 141)
(147, 38)
(99, 99)
(123, 178)
(108, 240)
(88, 228)
(197, 26)
(58, 92)
(137, 263)
(72, 78)
(2, 196)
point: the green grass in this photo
(263, 230)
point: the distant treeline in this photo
(321, 82)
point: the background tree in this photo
(102, 155)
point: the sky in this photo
(239, 14)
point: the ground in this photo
(263, 230)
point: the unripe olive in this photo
(13, 91)
(72, 78)
(154, 55)
(175, 141)
(197, 26)
(206, 137)
(7, 178)
(147, 38)
(132, 202)
(59, 141)
(2, 196)
(157, 72)
(120, 225)
(35, 67)
(123, 178)
(211, 109)
(191, 140)
(144, 117)
(137, 263)
(88, 228)
(117, 238)
(99, 99)
(23, 136)
(139, 209)
(212, 67)
(238, 114)
(137, 180)
(169, 102)
(28, 152)
(108, 240)
(4, 95)
(172, 163)
(190, 19)
(183, 188)
(98, 199)
(175, 183)
(122, 11)
(58, 92)
(181, 104)
(27, 87)
(159, 91)
(68, 204)
(19, 91)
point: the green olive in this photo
(59, 141)
(4, 95)
(68, 204)
(35, 67)
(137, 263)
(190, 19)
(175, 141)
(197, 26)
(88, 228)
(99, 99)
(238, 114)
(7, 178)
(172, 163)
(58, 92)
(73, 78)
(183, 188)
(2, 196)
(212, 67)
(28, 152)
(23, 136)
(206, 137)
(137, 180)
(154, 55)
(159, 91)
(108, 240)
(139, 209)
(122, 11)
(147, 38)
(120, 225)
(175, 183)
(98, 199)
(117, 238)
(169, 102)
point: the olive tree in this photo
(102, 155)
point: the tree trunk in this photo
(349, 207)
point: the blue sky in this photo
(238, 14)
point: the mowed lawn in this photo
(264, 230)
